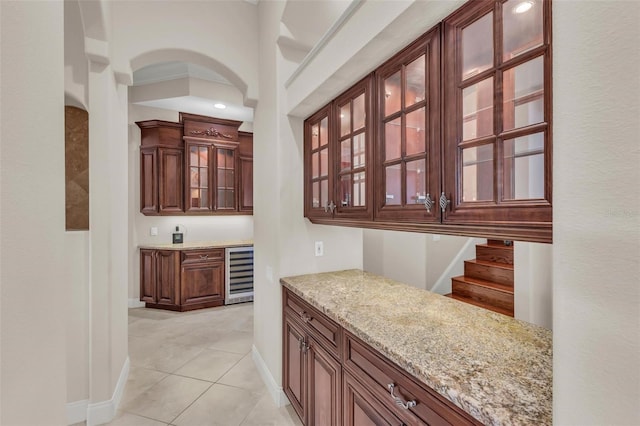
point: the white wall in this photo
(196, 228)
(34, 295)
(533, 276)
(283, 238)
(596, 213)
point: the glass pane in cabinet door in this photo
(359, 189)
(345, 119)
(415, 132)
(524, 94)
(522, 27)
(324, 162)
(204, 177)
(193, 155)
(194, 177)
(477, 110)
(345, 191)
(414, 82)
(392, 94)
(221, 198)
(416, 182)
(315, 163)
(358, 151)
(203, 153)
(230, 198)
(315, 136)
(195, 197)
(392, 139)
(477, 46)
(324, 193)
(230, 178)
(524, 167)
(359, 114)
(345, 155)
(477, 173)
(204, 197)
(324, 131)
(393, 184)
(222, 178)
(315, 195)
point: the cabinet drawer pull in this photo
(304, 316)
(204, 256)
(399, 402)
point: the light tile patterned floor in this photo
(195, 369)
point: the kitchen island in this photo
(496, 369)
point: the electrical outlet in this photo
(436, 237)
(319, 248)
(153, 231)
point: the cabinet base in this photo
(183, 308)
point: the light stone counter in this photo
(494, 367)
(198, 245)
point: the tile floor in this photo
(195, 369)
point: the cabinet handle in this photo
(329, 207)
(399, 402)
(304, 316)
(204, 256)
(444, 202)
(428, 203)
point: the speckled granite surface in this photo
(495, 368)
(198, 245)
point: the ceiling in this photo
(178, 86)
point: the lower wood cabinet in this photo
(182, 280)
(333, 378)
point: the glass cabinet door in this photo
(198, 179)
(408, 179)
(352, 161)
(319, 201)
(225, 179)
(497, 117)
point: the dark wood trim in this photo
(184, 116)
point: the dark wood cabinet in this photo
(182, 280)
(338, 157)
(459, 128)
(194, 167)
(333, 378)
(160, 278)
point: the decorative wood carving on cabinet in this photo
(182, 280)
(333, 378)
(193, 167)
(465, 154)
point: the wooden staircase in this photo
(488, 279)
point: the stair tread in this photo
(495, 246)
(484, 283)
(489, 263)
(498, 243)
(480, 304)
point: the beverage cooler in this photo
(239, 275)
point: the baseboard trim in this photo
(276, 391)
(135, 303)
(77, 411)
(100, 412)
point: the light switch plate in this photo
(153, 231)
(319, 247)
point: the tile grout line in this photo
(192, 402)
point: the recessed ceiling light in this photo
(220, 106)
(523, 7)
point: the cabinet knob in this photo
(329, 207)
(399, 401)
(428, 203)
(304, 316)
(444, 202)
(204, 256)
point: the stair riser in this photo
(483, 295)
(495, 254)
(488, 273)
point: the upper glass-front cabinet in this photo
(318, 201)
(497, 142)
(408, 154)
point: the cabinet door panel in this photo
(360, 408)
(167, 276)
(148, 180)
(198, 178)
(148, 276)
(325, 375)
(295, 382)
(202, 283)
(318, 181)
(170, 182)
(246, 184)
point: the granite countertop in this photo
(198, 245)
(496, 368)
